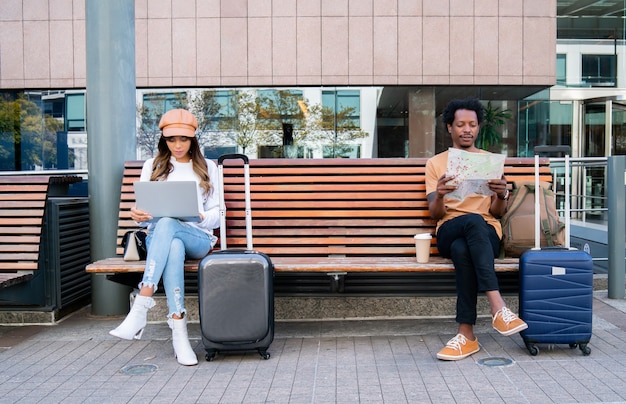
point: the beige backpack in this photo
(518, 223)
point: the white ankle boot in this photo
(134, 323)
(180, 340)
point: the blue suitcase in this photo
(555, 298)
(556, 286)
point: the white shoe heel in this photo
(133, 325)
(180, 340)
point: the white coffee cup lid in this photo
(423, 236)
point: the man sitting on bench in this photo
(469, 233)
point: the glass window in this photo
(277, 107)
(75, 117)
(561, 70)
(599, 70)
(346, 152)
(345, 104)
(156, 104)
(32, 131)
(226, 110)
(543, 123)
(214, 152)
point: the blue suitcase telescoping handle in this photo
(558, 149)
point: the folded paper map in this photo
(472, 170)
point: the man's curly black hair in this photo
(471, 104)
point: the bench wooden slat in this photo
(23, 221)
(19, 266)
(25, 245)
(16, 256)
(370, 205)
(317, 264)
(34, 199)
(327, 231)
(20, 212)
(304, 223)
(21, 230)
(21, 238)
(21, 188)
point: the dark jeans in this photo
(472, 244)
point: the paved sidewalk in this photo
(382, 361)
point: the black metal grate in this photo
(66, 238)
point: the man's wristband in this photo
(505, 197)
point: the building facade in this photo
(326, 78)
(350, 78)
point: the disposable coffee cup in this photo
(422, 247)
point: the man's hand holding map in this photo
(471, 171)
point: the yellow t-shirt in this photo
(435, 168)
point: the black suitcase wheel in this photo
(264, 354)
(585, 349)
(532, 349)
(210, 356)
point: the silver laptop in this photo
(177, 199)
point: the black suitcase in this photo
(556, 289)
(235, 289)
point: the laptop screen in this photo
(176, 199)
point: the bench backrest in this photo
(327, 207)
(22, 207)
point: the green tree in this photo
(237, 120)
(277, 109)
(256, 118)
(28, 135)
(148, 133)
(10, 135)
(337, 131)
(205, 107)
(489, 135)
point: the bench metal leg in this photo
(337, 281)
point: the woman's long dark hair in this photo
(162, 166)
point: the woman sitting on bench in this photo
(170, 240)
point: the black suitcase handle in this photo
(232, 156)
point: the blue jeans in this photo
(472, 244)
(168, 244)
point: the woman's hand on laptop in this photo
(139, 215)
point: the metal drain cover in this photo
(134, 370)
(495, 361)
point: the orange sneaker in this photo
(507, 323)
(457, 348)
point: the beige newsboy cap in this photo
(178, 122)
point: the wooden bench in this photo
(329, 216)
(22, 207)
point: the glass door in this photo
(596, 136)
(618, 128)
(604, 128)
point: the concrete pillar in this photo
(111, 106)
(616, 187)
(422, 122)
